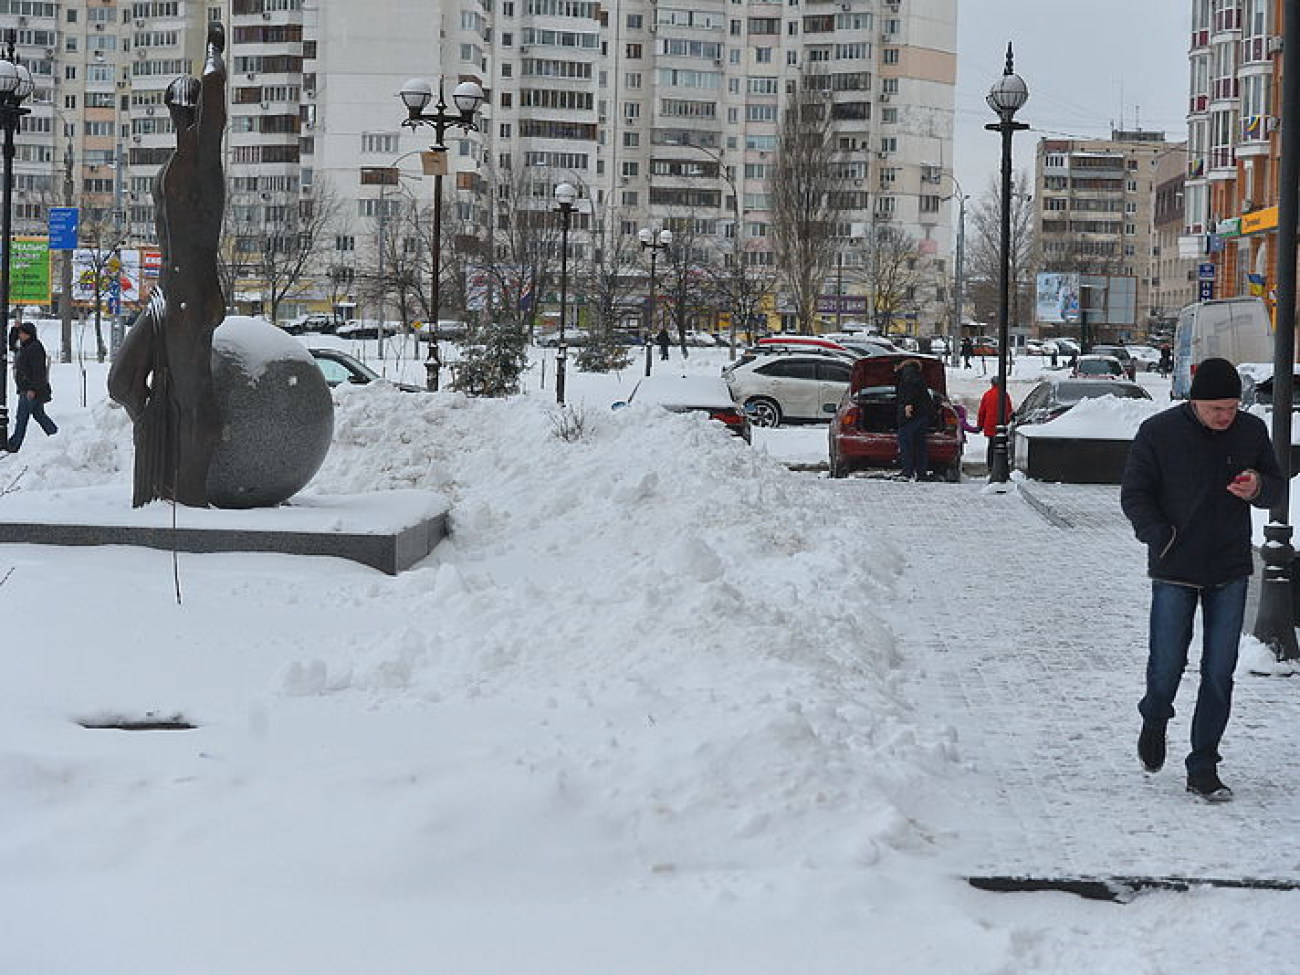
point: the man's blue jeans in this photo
(1172, 609)
(913, 451)
(30, 409)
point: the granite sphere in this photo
(277, 415)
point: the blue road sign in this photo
(1205, 272)
(63, 228)
(1206, 290)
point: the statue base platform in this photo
(1066, 460)
(388, 530)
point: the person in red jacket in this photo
(987, 417)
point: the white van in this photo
(1236, 329)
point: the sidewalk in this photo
(1035, 658)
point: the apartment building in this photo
(1094, 200)
(1234, 154)
(664, 115)
(1174, 277)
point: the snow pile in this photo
(1102, 418)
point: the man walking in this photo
(1193, 472)
(32, 383)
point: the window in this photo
(633, 51)
(384, 142)
(763, 55)
(790, 369)
(929, 203)
(890, 55)
(631, 139)
(634, 21)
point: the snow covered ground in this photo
(658, 704)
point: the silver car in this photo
(789, 387)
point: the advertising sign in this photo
(112, 275)
(29, 271)
(1057, 298)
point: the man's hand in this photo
(907, 411)
(1245, 485)
(31, 394)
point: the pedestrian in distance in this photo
(1193, 473)
(986, 418)
(664, 341)
(1056, 354)
(915, 410)
(967, 350)
(32, 385)
(1166, 360)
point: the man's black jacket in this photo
(1175, 494)
(31, 370)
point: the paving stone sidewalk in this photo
(1033, 651)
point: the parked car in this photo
(1064, 347)
(1098, 367)
(798, 343)
(692, 394)
(308, 323)
(864, 344)
(1034, 347)
(1120, 352)
(864, 432)
(1058, 395)
(938, 345)
(339, 368)
(573, 337)
(788, 388)
(985, 346)
(367, 328)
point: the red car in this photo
(864, 433)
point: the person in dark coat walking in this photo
(32, 385)
(1193, 473)
(665, 342)
(915, 408)
(967, 350)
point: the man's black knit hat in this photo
(1216, 379)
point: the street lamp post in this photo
(1275, 622)
(565, 194)
(655, 242)
(1006, 97)
(15, 86)
(959, 272)
(467, 96)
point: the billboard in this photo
(29, 271)
(121, 276)
(1057, 298)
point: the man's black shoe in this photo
(1151, 745)
(1208, 787)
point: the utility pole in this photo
(65, 267)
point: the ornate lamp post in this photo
(1275, 622)
(565, 194)
(1006, 98)
(467, 96)
(15, 86)
(959, 269)
(655, 242)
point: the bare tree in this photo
(890, 272)
(983, 261)
(293, 239)
(518, 258)
(802, 185)
(606, 280)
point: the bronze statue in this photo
(163, 372)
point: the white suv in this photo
(786, 387)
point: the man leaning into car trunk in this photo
(915, 408)
(1192, 474)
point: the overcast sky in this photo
(1089, 64)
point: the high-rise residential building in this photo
(1173, 275)
(662, 115)
(1233, 149)
(1094, 200)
